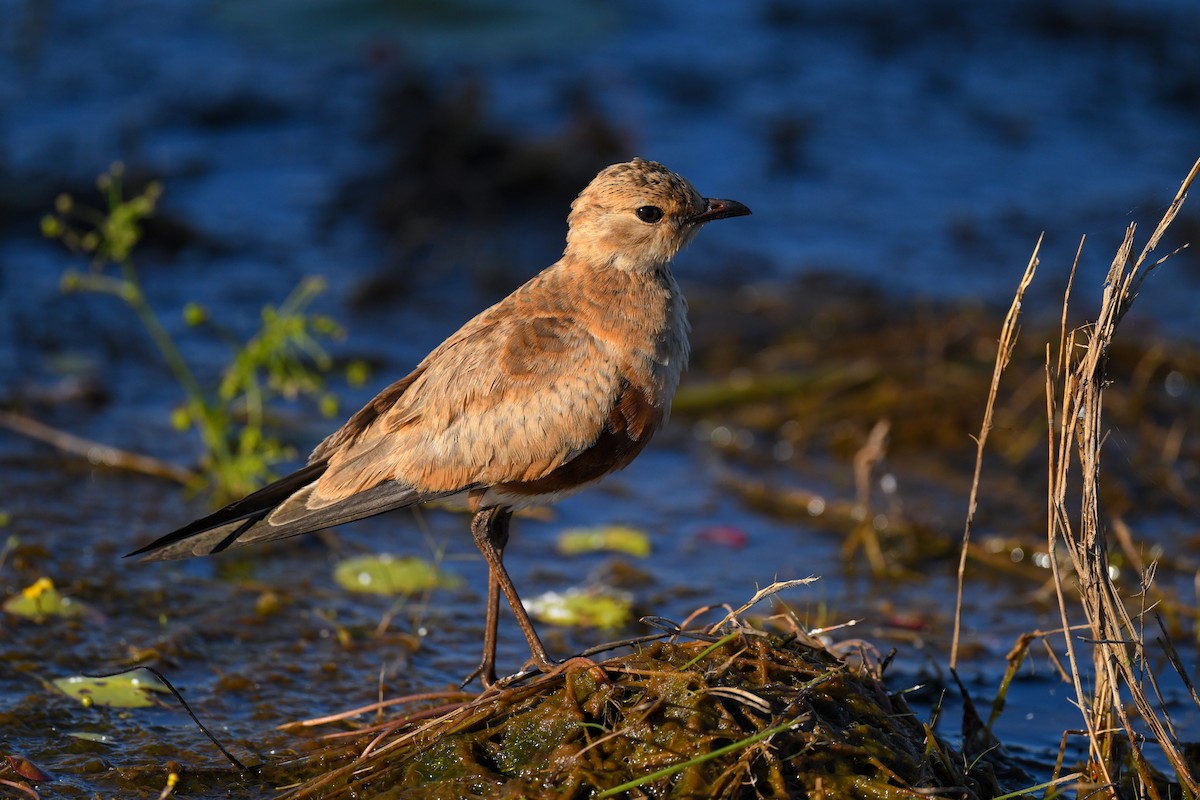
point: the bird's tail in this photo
(249, 520)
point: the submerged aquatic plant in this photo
(284, 359)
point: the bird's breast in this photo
(640, 319)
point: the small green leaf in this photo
(357, 373)
(582, 608)
(41, 600)
(607, 538)
(181, 419)
(128, 690)
(195, 314)
(52, 227)
(388, 575)
(328, 405)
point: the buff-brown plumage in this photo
(503, 400)
(547, 391)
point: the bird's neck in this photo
(642, 314)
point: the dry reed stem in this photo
(1008, 339)
(95, 452)
(379, 705)
(872, 453)
(1118, 654)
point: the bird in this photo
(535, 398)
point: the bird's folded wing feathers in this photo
(497, 402)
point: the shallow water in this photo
(921, 151)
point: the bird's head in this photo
(637, 215)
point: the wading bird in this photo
(546, 392)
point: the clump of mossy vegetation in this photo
(745, 714)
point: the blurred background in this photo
(421, 156)
(921, 149)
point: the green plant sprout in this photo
(284, 359)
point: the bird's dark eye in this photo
(650, 214)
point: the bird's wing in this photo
(510, 397)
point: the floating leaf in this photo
(127, 690)
(91, 736)
(27, 769)
(41, 600)
(605, 538)
(583, 608)
(388, 575)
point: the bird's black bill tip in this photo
(721, 209)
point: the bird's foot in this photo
(486, 672)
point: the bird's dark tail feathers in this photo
(255, 518)
(226, 525)
(220, 529)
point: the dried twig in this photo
(759, 596)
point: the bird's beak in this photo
(720, 209)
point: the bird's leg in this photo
(490, 529)
(486, 671)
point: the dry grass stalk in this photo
(864, 535)
(1008, 339)
(1118, 656)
